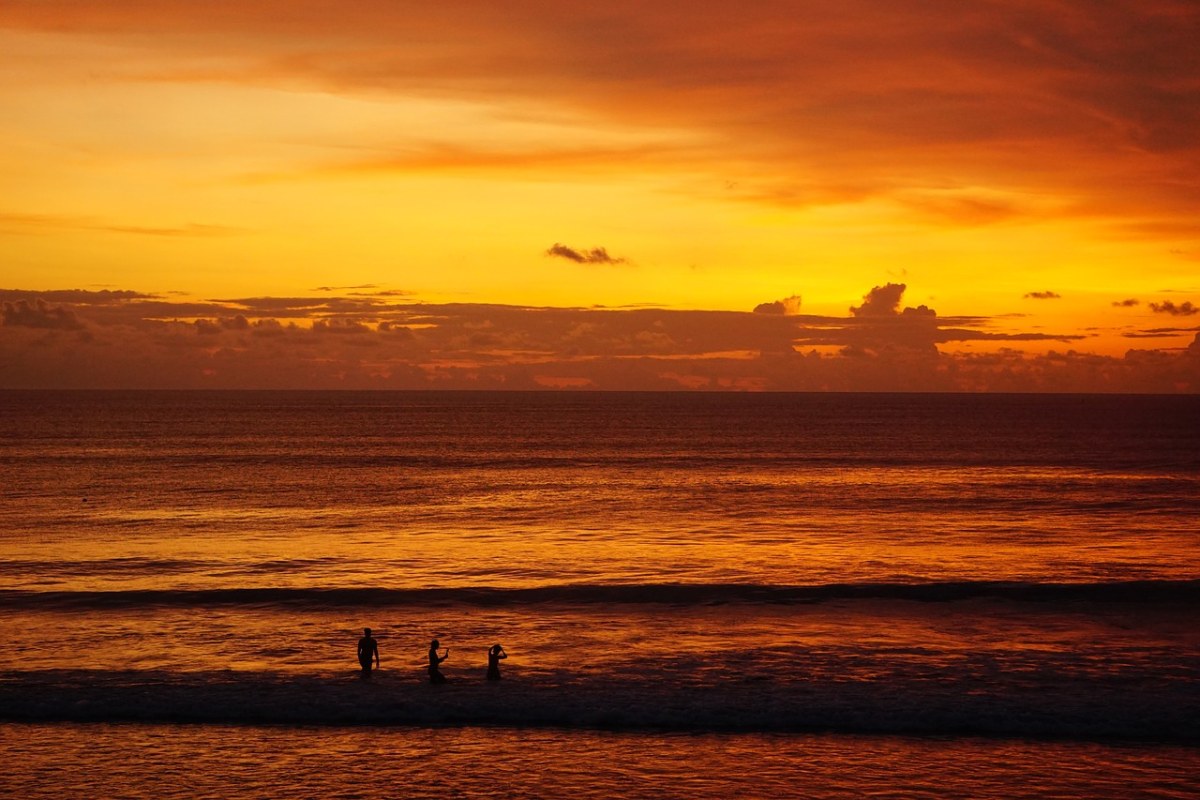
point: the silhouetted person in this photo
(495, 654)
(367, 648)
(435, 674)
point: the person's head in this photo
(366, 631)
(434, 645)
(496, 648)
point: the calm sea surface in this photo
(700, 595)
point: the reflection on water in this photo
(121, 491)
(199, 762)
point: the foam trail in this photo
(1085, 710)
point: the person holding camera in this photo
(435, 674)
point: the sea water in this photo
(706, 595)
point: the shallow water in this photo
(198, 762)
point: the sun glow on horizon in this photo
(202, 156)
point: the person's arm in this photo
(503, 654)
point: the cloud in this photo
(963, 208)
(785, 307)
(952, 108)
(302, 307)
(384, 293)
(882, 301)
(1150, 334)
(1127, 303)
(190, 229)
(212, 327)
(597, 255)
(39, 314)
(55, 222)
(1033, 95)
(339, 326)
(81, 297)
(207, 327)
(155, 343)
(1184, 309)
(366, 290)
(1047, 295)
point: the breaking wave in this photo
(1144, 591)
(1079, 710)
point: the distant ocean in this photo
(702, 595)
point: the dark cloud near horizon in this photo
(1169, 331)
(475, 345)
(208, 327)
(384, 293)
(597, 255)
(1184, 309)
(79, 297)
(784, 307)
(1127, 303)
(39, 314)
(302, 307)
(337, 325)
(884, 302)
(1046, 295)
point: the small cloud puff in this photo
(786, 307)
(1184, 309)
(1127, 303)
(1043, 296)
(597, 255)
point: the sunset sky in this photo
(797, 195)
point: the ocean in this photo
(701, 595)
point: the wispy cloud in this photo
(596, 255)
(44, 223)
(1046, 295)
(828, 100)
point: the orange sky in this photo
(622, 195)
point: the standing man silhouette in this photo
(367, 648)
(495, 653)
(435, 674)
